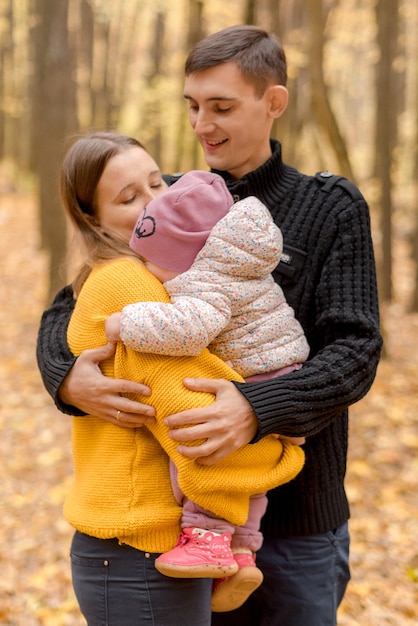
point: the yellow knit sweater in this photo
(121, 485)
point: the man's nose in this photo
(203, 123)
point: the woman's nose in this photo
(149, 195)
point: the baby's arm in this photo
(112, 327)
(183, 328)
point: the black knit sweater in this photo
(327, 272)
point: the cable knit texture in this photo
(121, 483)
(227, 300)
(333, 293)
(331, 286)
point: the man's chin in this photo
(215, 162)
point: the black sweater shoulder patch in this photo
(328, 181)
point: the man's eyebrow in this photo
(212, 99)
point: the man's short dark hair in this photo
(258, 55)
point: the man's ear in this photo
(278, 97)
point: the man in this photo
(235, 88)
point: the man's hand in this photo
(226, 425)
(89, 390)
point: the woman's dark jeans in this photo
(117, 585)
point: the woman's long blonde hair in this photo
(81, 171)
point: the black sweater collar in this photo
(269, 182)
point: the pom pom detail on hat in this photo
(174, 227)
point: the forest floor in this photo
(35, 466)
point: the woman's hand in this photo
(226, 425)
(89, 390)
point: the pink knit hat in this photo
(174, 227)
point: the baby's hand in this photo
(297, 441)
(112, 327)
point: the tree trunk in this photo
(319, 92)
(84, 41)
(6, 65)
(186, 142)
(288, 128)
(13, 89)
(386, 132)
(54, 118)
(414, 303)
(250, 12)
(153, 111)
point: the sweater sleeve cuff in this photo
(52, 352)
(60, 372)
(244, 388)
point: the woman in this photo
(121, 503)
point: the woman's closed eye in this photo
(130, 199)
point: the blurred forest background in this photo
(76, 65)
(67, 66)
